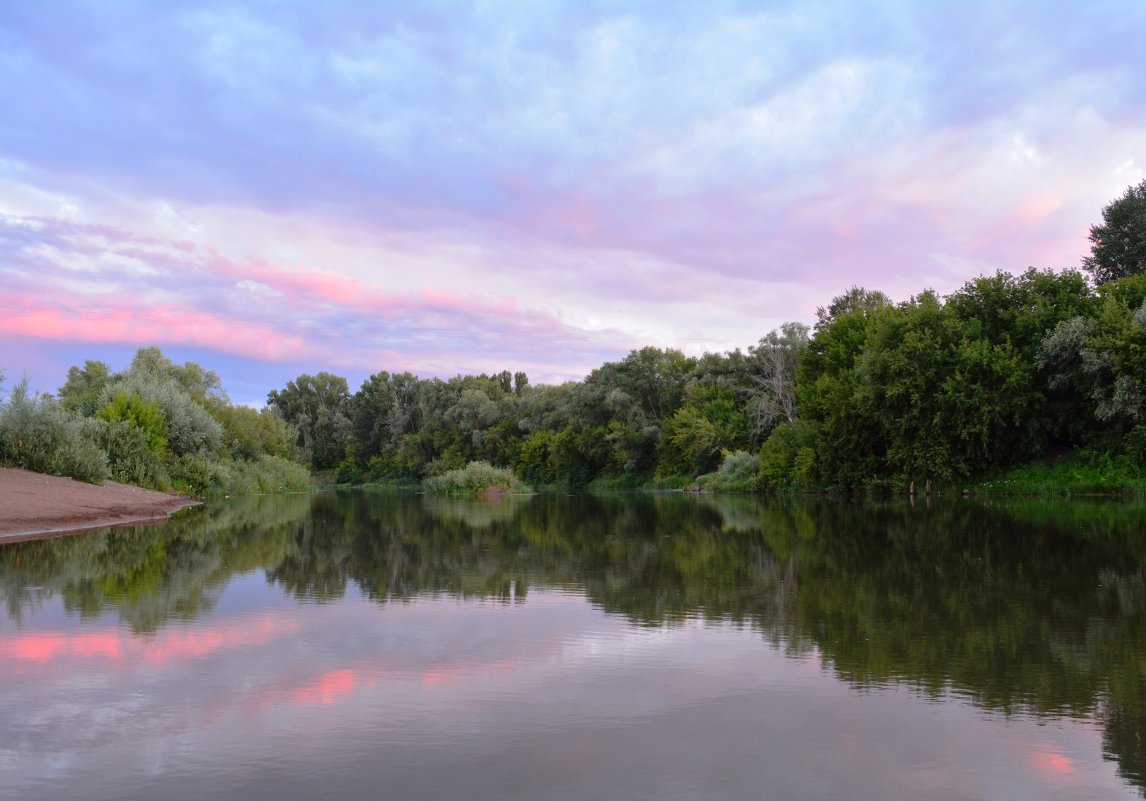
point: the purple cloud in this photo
(452, 187)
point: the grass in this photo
(1084, 473)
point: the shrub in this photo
(131, 458)
(739, 472)
(788, 456)
(276, 474)
(190, 427)
(141, 415)
(197, 474)
(248, 434)
(474, 479)
(38, 434)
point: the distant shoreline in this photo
(38, 506)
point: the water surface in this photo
(378, 645)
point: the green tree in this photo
(250, 433)
(1101, 358)
(319, 407)
(1118, 245)
(832, 395)
(191, 429)
(1017, 312)
(201, 384)
(84, 387)
(924, 389)
(709, 423)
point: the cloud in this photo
(154, 292)
(458, 187)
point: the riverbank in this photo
(34, 505)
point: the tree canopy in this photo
(1118, 245)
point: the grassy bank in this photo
(1078, 474)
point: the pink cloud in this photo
(138, 324)
(98, 284)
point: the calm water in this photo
(375, 645)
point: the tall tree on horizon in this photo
(1118, 246)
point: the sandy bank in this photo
(33, 505)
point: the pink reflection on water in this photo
(1050, 763)
(121, 647)
(328, 688)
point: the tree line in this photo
(1006, 370)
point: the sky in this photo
(271, 188)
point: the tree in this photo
(856, 299)
(1118, 246)
(200, 384)
(773, 396)
(320, 407)
(1102, 358)
(383, 410)
(1018, 311)
(84, 387)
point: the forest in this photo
(1032, 373)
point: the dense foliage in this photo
(1008, 370)
(654, 414)
(1118, 245)
(157, 424)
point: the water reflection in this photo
(1021, 609)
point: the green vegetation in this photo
(1084, 473)
(476, 478)
(157, 424)
(739, 472)
(1118, 246)
(992, 380)
(1006, 372)
(37, 433)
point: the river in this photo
(372, 644)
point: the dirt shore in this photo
(33, 505)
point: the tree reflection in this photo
(1032, 608)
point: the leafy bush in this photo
(788, 456)
(130, 456)
(276, 474)
(190, 427)
(474, 479)
(157, 425)
(197, 474)
(739, 472)
(36, 433)
(1082, 473)
(141, 415)
(250, 433)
